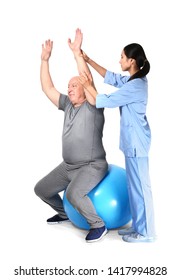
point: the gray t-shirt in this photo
(82, 132)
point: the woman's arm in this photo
(101, 70)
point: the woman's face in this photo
(125, 62)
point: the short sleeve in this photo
(63, 102)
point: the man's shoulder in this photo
(63, 102)
(93, 108)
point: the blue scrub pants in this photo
(140, 195)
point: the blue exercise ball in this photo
(110, 199)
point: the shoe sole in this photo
(150, 240)
(94, 240)
(55, 223)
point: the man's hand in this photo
(46, 50)
(76, 45)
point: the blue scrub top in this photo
(131, 98)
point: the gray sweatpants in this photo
(78, 180)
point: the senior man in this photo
(84, 159)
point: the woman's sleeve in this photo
(127, 94)
(116, 80)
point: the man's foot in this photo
(136, 238)
(126, 231)
(56, 220)
(96, 234)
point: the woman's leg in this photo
(140, 195)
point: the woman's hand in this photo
(85, 80)
(84, 55)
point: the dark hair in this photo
(136, 52)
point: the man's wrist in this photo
(77, 53)
(44, 60)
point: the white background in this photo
(31, 129)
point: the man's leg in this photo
(49, 187)
(84, 179)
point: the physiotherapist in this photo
(135, 134)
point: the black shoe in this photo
(56, 220)
(96, 234)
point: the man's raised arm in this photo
(81, 63)
(45, 77)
